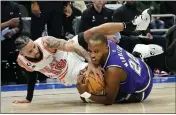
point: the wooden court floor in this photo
(161, 100)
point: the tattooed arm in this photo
(68, 46)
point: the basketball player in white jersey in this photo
(57, 58)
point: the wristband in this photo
(117, 36)
(14, 31)
(86, 95)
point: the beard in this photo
(103, 59)
(36, 59)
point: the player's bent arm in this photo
(106, 29)
(113, 76)
(31, 81)
(69, 46)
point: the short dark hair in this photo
(99, 37)
(21, 42)
(65, 3)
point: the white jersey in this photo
(62, 65)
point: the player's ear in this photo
(20, 52)
(107, 48)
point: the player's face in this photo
(131, 3)
(99, 3)
(31, 50)
(97, 51)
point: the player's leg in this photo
(129, 98)
(133, 98)
(138, 96)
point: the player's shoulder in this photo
(116, 71)
(22, 64)
(39, 39)
(42, 40)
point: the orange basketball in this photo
(94, 87)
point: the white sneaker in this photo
(142, 21)
(146, 51)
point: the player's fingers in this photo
(87, 80)
(78, 79)
(96, 77)
(81, 79)
(95, 73)
(86, 83)
(14, 101)
(100, 74)
(85, 69)
(102, 69)
(80, 73)
(87, 73)
(113, 39)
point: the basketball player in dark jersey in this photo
(127, 78)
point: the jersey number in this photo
(134, 64)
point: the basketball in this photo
(94, 87)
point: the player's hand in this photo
(149, 35)
(112, 38)
(82, 87)
(21, 101)
(83, 71)
(96, 71)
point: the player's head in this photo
(98, 48)
(99, 3)
(131, 3)
(27, 47)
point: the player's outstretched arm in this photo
(113, 76)
(106, 29)
(139, 23)
(68, 46)
(31, 81)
